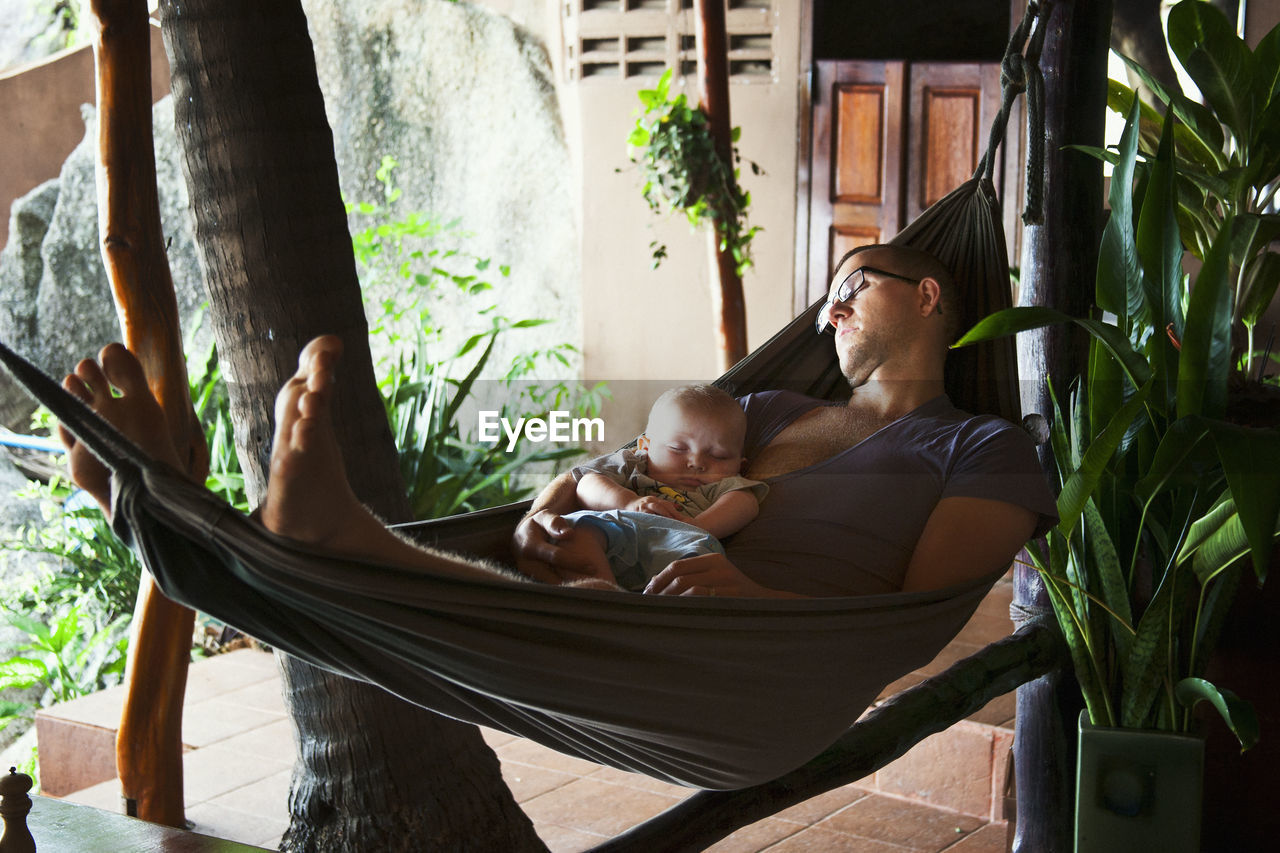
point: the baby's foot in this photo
(134, 412)
(308, 496)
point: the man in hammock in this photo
(949, 498)
(897, 490)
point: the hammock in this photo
(711, 693)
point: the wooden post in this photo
(1059, 265)
(713, 95)
(149, 742)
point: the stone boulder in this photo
(56, 307)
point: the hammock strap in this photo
(1020, 72)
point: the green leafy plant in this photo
(1164, 501)
(673, 146)
(71, 653)
(1227, 155)
(427, 384)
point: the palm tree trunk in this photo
(374, 772)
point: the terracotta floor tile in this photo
(527, 781)
(212, 677)
(903, 823)
(761, 835)
(267, 797)
(214, 720)
(262, 696)
(992, 838)
(273, 741)
(596, 807)
(562, 839)
(211, 772)
(96, 709)
(824, 805)
(951, 769)
(104, 795)
(817, 840)
(222, 822)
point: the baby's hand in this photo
(655, 506)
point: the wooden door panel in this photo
(950, 107)
(855, 162)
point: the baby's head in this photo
(694, 436)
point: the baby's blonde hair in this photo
(705, 400)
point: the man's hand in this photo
(655, 505)
(548, 549)
(709, 574)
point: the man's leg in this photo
(308, 497)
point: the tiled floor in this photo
(241, 751)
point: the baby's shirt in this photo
(629, 469)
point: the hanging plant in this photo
(673, 146)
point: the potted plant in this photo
(1168, 504)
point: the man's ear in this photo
(930, 296)
(642, 443)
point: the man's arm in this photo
(543, 542)
(966, 539)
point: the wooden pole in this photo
(149, 742)
(713, 95)
(1059, 266)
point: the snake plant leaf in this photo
(1251, 461)
(1079, 644)
(1235, 712)
(1218, 60)
(1200, 121)
(1080, 486)
(1108, 577)
(1146, 667)
(1119, 280)
(1205, 360)
(1261, 280)
(1106, 388)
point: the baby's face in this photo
(691, 448)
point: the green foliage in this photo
(71, 652)
(1163, 501)
(1225, 153)
(429, 384)
(672, 144)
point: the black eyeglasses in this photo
(848, 290)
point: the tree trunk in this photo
(374, 773)
(727, 300)
(1059, 266)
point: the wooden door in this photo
(889, 138)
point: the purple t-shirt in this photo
(848, 525)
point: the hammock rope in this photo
(1020, 72)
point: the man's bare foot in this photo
(134, 412)
(308, 496)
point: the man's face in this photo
(873, 322)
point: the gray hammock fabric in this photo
(711, 693)
(717, 693)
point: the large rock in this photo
(31, 31)
(57, 306)
(464, 99)
(461, 96)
